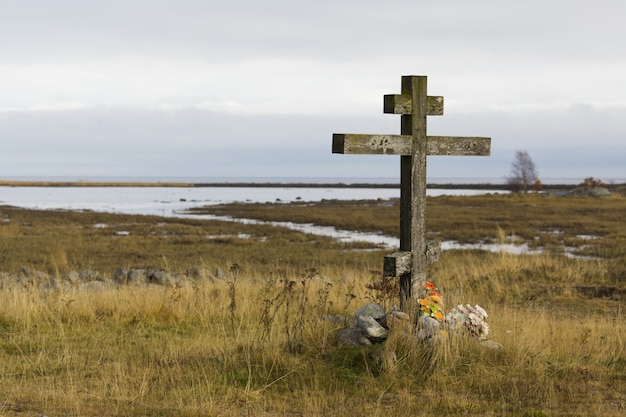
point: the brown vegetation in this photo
(540, 220)
(255, 342)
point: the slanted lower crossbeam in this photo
(399, 263)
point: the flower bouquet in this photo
(432, 304)
(470, 317)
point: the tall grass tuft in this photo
(191, 350)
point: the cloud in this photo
(165, 86)
(197, 142)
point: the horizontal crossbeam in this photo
(403, 104)
(399, 263)
(347, 143)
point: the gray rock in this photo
(370, 327)
(34, 275)
(353, 336)
(137, 276)
(372, 321)
(386, 360)
(51, 284)
(599, 192)
(200, 274)
(39, 279)
(428, 328)
(73, 277)
(86, 276)
(592, 192)
(120, 276)
(156, 276)
(400, 315)
(133, 276)
(159, 277)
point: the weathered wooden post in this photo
(413, 145)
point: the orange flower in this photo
(430, 286)
(438, 315)
(422, 301)
(435, 298)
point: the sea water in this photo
(175, 201)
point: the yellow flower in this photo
(435, 298)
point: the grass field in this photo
(253, 341)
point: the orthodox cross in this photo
(413, 145)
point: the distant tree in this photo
(523, 173)
(591, 182)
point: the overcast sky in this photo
(257, 88)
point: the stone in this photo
(399, 322)
(370, 327)
(73, 277)
(159, 277)
(353, 336)
(386, 360)
(133, 276)
(428, 328)
(86, 276)
(598, 192)
(372, 320)
(591, 192)
(35, 275)
(400, 315)
(120, 276)
(137, 276)
(39, 279)
(200, 274)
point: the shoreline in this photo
(246, 184)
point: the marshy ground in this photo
(253, 342)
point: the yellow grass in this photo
(256, 342)
(189, 351)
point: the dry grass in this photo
(59, 241)
(538, 219)
(178, 351)
(255, 343)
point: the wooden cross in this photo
(413, 145)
